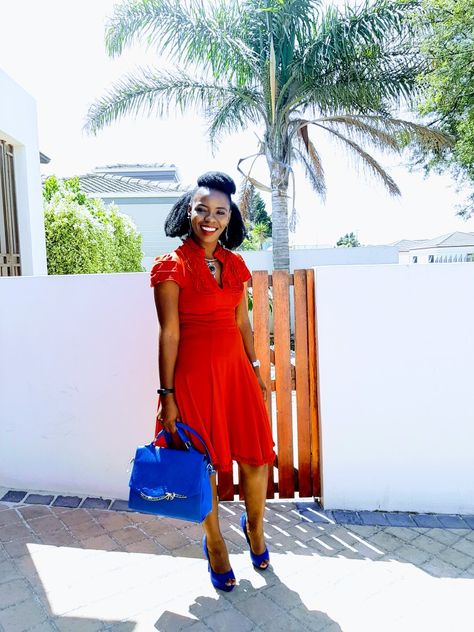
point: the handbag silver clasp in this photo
(167, 496)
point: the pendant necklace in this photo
(211, 265)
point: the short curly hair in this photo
(177, 222)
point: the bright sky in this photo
(55, 50)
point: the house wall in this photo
(79, 372)
(397, 403)
(423, 254)
(18, 126)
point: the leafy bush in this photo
(83, 236)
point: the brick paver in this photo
(91, 570)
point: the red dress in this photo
(216, 389)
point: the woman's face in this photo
(209, 213)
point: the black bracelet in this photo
(165, 391)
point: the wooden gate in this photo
(288, 368)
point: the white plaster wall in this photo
(309, 257)
(396, 396)
(18, 126)
(78, 376)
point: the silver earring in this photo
(226, 233)
(190, 229)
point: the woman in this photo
(209, 373)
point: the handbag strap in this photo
(180, 427)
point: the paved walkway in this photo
(86, 569)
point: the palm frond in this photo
(362, 59)
(152, 92)
(233, 110)
(360, 130)
(245, 196)
(422, 135)
(366, 159)
(188, 30)
(318, 184)
(306, 153)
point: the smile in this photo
(208, 229)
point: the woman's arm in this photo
(166, 301)
(243, 322)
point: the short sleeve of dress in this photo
(242, 270)
(167, 268)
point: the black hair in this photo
(177, 222)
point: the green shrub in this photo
(83, 236)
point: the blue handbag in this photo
(171, 482)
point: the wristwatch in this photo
(165, 391)
(256, 363)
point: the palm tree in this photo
(285, 65)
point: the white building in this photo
(144, 192)
(22, 240)
(451, 248)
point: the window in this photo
(9, 242)
(430, 258)
(414, 259)
(470, 257)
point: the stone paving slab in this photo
(89, 569)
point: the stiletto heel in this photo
(218, 580)
(256, 559)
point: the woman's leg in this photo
(216, 546)
(254, 483)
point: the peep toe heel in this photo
(256, 559)
(218, 580)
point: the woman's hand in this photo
(261, 383)
(168, 413)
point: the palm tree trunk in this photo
(281, 251)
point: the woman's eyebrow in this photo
(219, 208)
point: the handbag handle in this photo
(179, 428)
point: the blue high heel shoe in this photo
(218, 580)
(256, 559)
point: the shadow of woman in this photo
(248, 608)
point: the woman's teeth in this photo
(208, 229)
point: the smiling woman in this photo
(209, 374)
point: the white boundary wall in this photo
(396, 348)
(301, 258)
(18, 126)
(78, 374)
(78, 379)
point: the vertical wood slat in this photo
(261, 328)
(281, 327)
(225, 485)
(302, 384)
(313, 385)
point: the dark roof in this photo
(98, 183)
